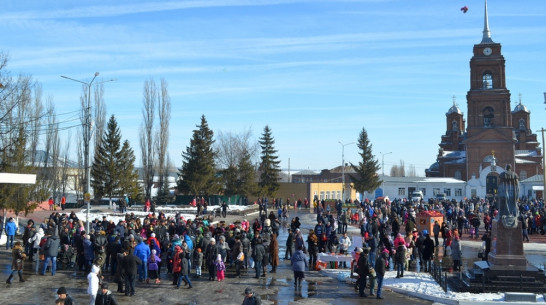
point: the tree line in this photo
(230, 164)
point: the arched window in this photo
(458, 175)
(488, 116)
(487, 80)
(522, 124)
(454, 126)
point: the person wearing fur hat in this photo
(19, 256)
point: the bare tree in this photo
(411, 171)
(36, 123)
(146, 135)
(162, 139)
(231, 146)
(100, 113)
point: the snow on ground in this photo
(423, 286)
(188, 212)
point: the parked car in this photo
(416, 196)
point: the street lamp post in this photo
(383, 171)
(87, 140)
(343, 168)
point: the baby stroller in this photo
(67, 257)
(217, 212)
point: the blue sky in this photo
(316, 72)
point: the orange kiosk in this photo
(426, 219)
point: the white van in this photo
(416, 196)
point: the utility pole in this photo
(542, 130)
(87, 141)
(383, 171)
(343, 168)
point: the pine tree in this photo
(269, 166)
(197, 176)
(128, 184)
(366, 177)
(105, 171)
(246, 185)
(229, 176)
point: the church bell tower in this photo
(489, 124)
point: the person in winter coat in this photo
(211, 253)
(51, 250)
(198, 262)
(19, 256)
(428, 251)
(251, 298)
(93, 287)
(88, 252)
(380, 268)
(142, 251)
(400, 259)
(35, 242)
(274, 253)
(299, 263)
(312, 248)
(129, 266)
(258, 256)
(363, 268)
(289, 244)
(11, 229)
(153, 266)
(184, 273)
(344, 245)
(64, 296)
(118, 276)
(456, 253)
(236, 251)
(220, 268)
(105, 296)
(177, 264)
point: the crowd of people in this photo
(156, 246)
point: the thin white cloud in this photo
(111, 10)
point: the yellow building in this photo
(319, 190)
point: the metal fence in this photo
(439, 275)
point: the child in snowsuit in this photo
(153, 266)
(220, 268)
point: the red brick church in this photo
(495, 134)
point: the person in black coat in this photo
(105, 296)
(129, 270)
(428, 252)
(363, 268)
(289, 244)
(380, 268)
(211, 253)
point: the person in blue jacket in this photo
(142, 251)
(11, 229)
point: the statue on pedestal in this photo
(508, 194)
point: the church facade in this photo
(493, 135)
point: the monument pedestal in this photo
(506, 247)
